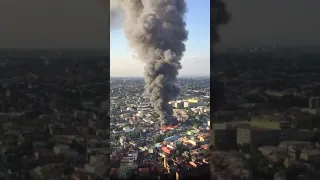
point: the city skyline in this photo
(123, 63)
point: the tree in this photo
(117, 137)
(205, 152)
(134, 134)
(158, 139)
(195, 123)
(201, 116)
(174, 156)
(169, 134)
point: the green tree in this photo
(117, 137)
(169, 134)
(195, 123)
(135, 134)
(158, 139)
(205, 152)
(174, 156)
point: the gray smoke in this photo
(156, 30)
(116, 14)
(219, 17)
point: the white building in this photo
(127, 129)
(133, 155)
(123, 140)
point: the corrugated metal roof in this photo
(172, 138)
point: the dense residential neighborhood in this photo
(143, 148)
(54, 123)
(268, 124)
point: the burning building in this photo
(156, 31)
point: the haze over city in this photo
(124, 64)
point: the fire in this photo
(164, 128)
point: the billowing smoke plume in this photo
(156, 30)
(116, 14)
(219, 16)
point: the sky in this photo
(196, 61)
(54, 24)
(268, 22)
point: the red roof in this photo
(166, 150)
(168, 127)
(205, 146)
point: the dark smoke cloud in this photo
(156, 30)
(219, 16)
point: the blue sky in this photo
(196, 61)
